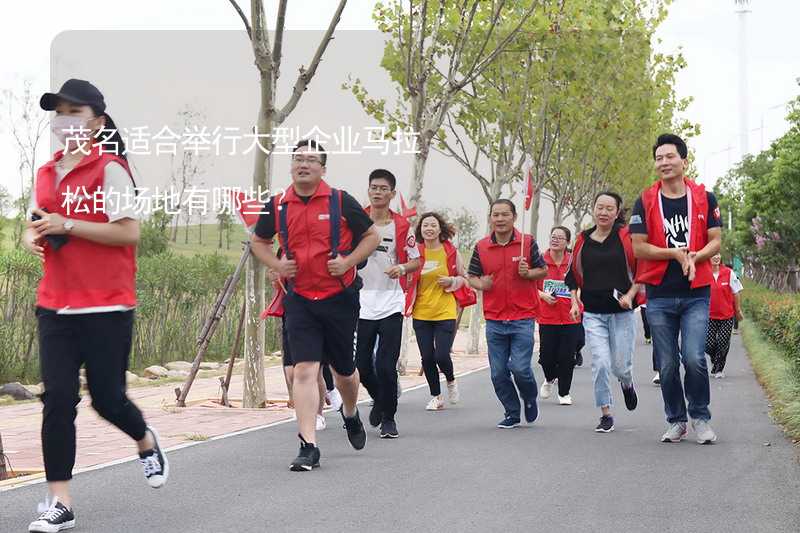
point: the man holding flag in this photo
(505, 266)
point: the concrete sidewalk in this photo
(99, 442)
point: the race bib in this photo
(557, 288)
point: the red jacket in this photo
(454, 269)
(402, 240)
(558, 313)
(83, 273)
(652, 272)
(722, 298)
(309, 243)
(511, 297)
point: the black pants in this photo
(645, 323)
(718, 342)
(101, 342)
(557, 347)
(380, 379)
(435, 340)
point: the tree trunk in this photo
(219, 244)
(536, 201)
(473, 347)
(200, 233)
(186, 230)
(418, 176)
(402, 362)
(2, 460)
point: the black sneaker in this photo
(508, 423)
(375, 415)
(56, 518)
(631, 400)
(155, 463)
(606, 424)
(355, 430)
(389, 429)
(307, 459)
(579, 359)
(531, 410)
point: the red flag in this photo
(248, 210)
(529, 189)
(406, 211)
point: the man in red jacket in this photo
(676, 229)
(322, 304)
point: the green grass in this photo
(777, 376)
(210, 241)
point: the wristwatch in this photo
(402, 270)
(68, 225)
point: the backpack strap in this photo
(335, 220)
(283, 227)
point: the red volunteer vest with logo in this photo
(401, 241)
(413, 285)
(652, 272)
(83, 273)
(722, 304)
(511, 297)
(309, 243)
(558, 313)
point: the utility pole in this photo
(744, 128)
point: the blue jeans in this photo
(688, 317)
(510, 353)
(611, 338)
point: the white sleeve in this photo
(736, 285)
(119, 193)
(411, 245)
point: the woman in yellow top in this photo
(431, 303)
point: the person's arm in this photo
(262, 244)
(475, 276)
(410, 266)
(32, 241)
(644, 250)
(627, 300)
(575, 308)
(123, 232)
(710, 249)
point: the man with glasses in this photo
(382, 301)
(321, 306)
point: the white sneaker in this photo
(321, 423)
(657, 379)
(452, 392)
(547, 389)
(436, 404)
(718, 375)
(565, 400)
(336, 399)
(703, 432)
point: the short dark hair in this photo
(566, 231)
(447, 233)
(506, 201)
(383, 174)
(317, 147)
(671, 138)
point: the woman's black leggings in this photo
(101, 342)
(435, 339)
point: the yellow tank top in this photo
(432, 302)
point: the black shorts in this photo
(323, 330)
(285, 350)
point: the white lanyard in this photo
(688, 214)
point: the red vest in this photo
(413, 284)
(652, 272)
(722, 304)
(83, 273)
(401, 241)
(557, 313)
(511, 297)
(630, 260)
(309, 232)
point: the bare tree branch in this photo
(243, 17)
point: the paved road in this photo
(452, 471)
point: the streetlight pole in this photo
(744, 128)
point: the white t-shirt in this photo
(736, 285)
(382, 296)
(117, 184)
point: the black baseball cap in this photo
(77, 92)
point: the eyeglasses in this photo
(379, 188)
(310, 160)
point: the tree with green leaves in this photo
(435, 49)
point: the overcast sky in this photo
(705, 30)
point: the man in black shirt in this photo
(676, 229)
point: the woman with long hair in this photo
(431, 303)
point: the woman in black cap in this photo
(85, 303)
